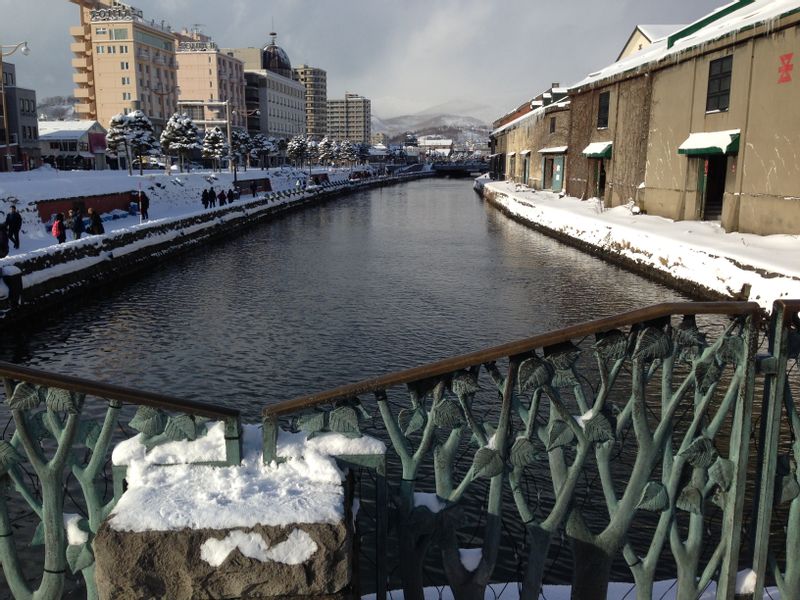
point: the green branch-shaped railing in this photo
(547, 418)
(48, 414)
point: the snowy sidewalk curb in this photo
(695, 256)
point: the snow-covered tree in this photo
(336, 151)
(324, 151)
(282, 146)
(214, 146)
(262, 148)
(242, 144)
(118, 140)
(296, 149)
(180, 136)
(312, 151)
(348, 152)
(143, 141)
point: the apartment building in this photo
(350, 119)
(274, 100)
(122, 63)
(23, 132)
(316, 83)
(207, 73)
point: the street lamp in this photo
(22, 47)
(247, 113)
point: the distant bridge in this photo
(461, 169)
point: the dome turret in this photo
(275, 59)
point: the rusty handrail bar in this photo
(115, 392)
(449, 365)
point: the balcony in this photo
(80, 47)
(82, 63)
(84, 94)
(84, 109)
(79, 31)
(80, 78)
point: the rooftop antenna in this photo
(197, 27)
(272, 33)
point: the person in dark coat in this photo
(221, 197)
(60, 228)
(3, 240)
(253, 188)
(144, 206)
(95, 224)
(205, 198)
(13, 226)
(212, 197)
(75, 222)
(231, 196)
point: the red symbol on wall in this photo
(786, 68)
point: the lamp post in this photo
(247, 113)
(22, 47)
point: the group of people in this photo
(9, 231)
(74, 223)
(210, 197)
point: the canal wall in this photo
(697, 258)
(45, 278)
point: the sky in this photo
(476, 57)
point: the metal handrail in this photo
(114, 392)
(520, 347)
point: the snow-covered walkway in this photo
(699, 252)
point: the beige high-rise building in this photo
(122, 63)
(316, 83)
(206, 73)
(350, 119)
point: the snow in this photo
(75, 535)
(710, 139)
(759, 12)
(746, 582)
(333, 444)
(431, 501)
(700, 252)
(296, 549)
(656, 32)
(664, 590)
(596, 147)
(553, 150)
(536, 113)
(470, 557)
(207, 448)
(305, 488)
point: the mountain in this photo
(435, 121)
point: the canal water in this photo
(367, 284)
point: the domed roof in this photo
(275, 59)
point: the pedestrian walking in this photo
(231, 196)
(221, 197)
(95, 223)
(75, 223)
(3, 240)
(205, 198)
(144, 206)
(59, 230)
(13, 226)
(212, 197)
(253, 188)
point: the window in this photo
(719, 84)
(124, 65)
(126, 95)
(119, 34)
(602, 110)
(112, 49)
(101, 49)
(552, 124)
(101, 31)
(126, 81)
(123, 49)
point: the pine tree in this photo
(118, 140)
(242, 145)
(296, 149)
(143, 141)
(180, 136)
(262, 147)
(325, 151)
(214, 146)
(348, 152)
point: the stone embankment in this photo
(42, 279)
(698, 258)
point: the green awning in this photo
(711, 142)
(598, 150)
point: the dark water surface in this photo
(371, 283)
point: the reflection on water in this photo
(378, 281)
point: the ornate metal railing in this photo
(54, 439)
(776, 544)
(627, 437)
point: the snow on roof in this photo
(709, 139)
(553, 150)
(65, 130)
(596, 148)
(525, 152)
(750, 15)
(536, 113)
(656, 32)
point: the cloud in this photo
(405, 56)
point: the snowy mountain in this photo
(436, 120)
